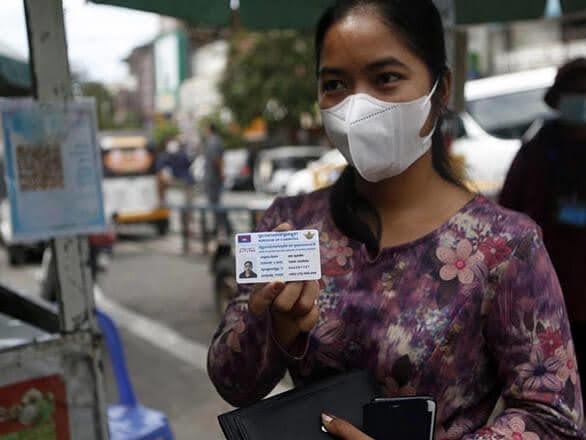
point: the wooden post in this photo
(460, 69)
(52, 81)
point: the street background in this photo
(160, 82)
(151, 283)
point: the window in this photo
(509, 116)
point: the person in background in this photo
(174, 171)
(214, 177)
(547, 181)
(173, 166)
(434, 290)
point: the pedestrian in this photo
(433, 289)
(174, 172)
(547, 181)
(214, 178)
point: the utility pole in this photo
(52, 83)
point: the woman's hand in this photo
(342, 429)
(293, 306)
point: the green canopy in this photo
(197, 12)
(15, 77)
(495, 11)
(300, 14)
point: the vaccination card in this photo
(265, 257)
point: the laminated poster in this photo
(53, 168)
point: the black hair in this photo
(564, 81)
(248, 262)
(213, 127)
(419, 23)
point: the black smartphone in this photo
(401, 418)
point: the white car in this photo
(17, 252)
(275, 167)
(319, 174)
(499, 110)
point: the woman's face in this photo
(362, 54)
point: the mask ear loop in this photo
(433, 90)
(427, 139)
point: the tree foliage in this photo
(104, 103)
(108, 118)
(270, 75)
(163, 132)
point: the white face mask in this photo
(379, 138)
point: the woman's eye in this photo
(333, 86)
(387, 78)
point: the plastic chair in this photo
(128, 420)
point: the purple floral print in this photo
(471, 314)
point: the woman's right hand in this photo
(292, 306)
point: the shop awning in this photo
(15, 77)
(287, 14)
(469, 12)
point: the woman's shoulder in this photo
(487, 218)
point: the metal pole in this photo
(52, 80)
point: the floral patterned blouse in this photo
(469, 313)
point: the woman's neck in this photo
(413, 189)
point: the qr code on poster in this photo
(39, 167)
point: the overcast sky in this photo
(99, 37)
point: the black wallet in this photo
(296, 414)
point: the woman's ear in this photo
(447, 81)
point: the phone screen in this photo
(405, 418)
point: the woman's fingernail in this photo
(326, 418)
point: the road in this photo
(163, 303)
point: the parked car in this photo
(18, 252)
(319, 174)
(274, 167)
(499, 111)
(238, 170)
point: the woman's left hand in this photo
(342, 429)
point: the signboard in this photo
(53, 168)
(50, 389)
(34, 409)
(170, 70)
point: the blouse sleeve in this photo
(528, 334)
(244, 361)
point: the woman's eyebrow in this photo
(376, 65)
(386, 62)
(336, 71)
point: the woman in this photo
(436, 291)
